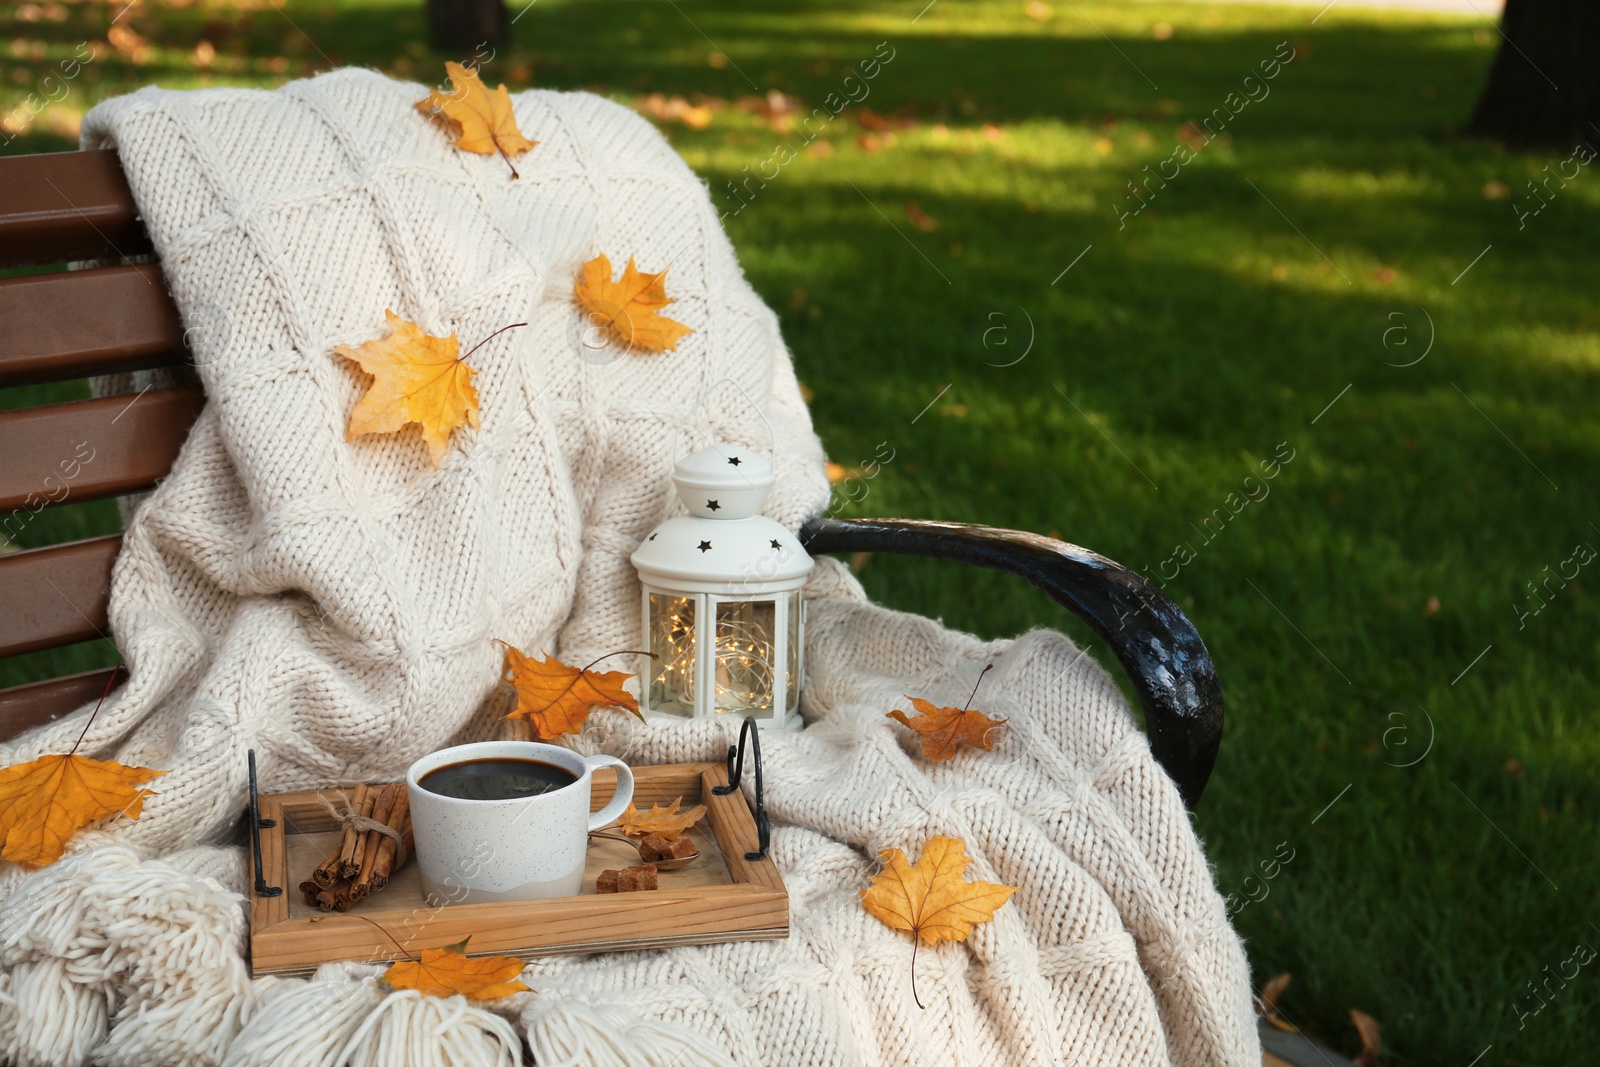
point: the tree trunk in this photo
(1544, 86)
(465, 26)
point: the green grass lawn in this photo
(1275, 298)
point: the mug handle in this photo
(623, 797)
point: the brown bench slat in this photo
(89, 449)
(60, 326)
(23, 707)
(62, 206)
(55, 596)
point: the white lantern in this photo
(721, 598)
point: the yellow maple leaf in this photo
(481, 120)
(932, 900)
(663, 819)
(556, 698)
(945, 730)
(417, 378)
(448, 971)
(627, 309)
(47, 800)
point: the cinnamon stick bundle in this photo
(364, 860)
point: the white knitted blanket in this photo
(334, 605)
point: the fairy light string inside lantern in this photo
(721, 597)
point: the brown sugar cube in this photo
(628, 880)
(679, 849)
(654, 847)
(637, 879)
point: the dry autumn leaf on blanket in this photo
(663, 819)
(45, 801)
(945, 730)
(480, 120)
(556, 698)
(417, 378)
(932, 900)
(448, 971)
(627, 309)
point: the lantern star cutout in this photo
(705, 546)
(712, 505)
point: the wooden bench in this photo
(58, 326)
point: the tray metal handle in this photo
(256, 825)
(736, 768)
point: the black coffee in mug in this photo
(496, 779)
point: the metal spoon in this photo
(660, 865)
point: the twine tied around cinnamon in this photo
(351, 821)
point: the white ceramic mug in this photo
(525, 848)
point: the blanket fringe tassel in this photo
(571, 1033)
(344, 1018)
(120, 962)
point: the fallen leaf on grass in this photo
(932, 900)
(838, 472)
(45, 801)
(1191, 135)
(1273, 990)
(1371, 1038)
(556, 698)
(481, 121)
(448, 971)
(663, 819)
(129, 44)
(665, 108)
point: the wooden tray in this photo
(722, 896)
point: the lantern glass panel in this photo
(672, 639)
(794, 650)
(745, 656)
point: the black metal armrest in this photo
(1153, 640)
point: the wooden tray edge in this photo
(772, 933)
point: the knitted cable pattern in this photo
(334, 605)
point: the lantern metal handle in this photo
(735, 768)
(772, 437)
